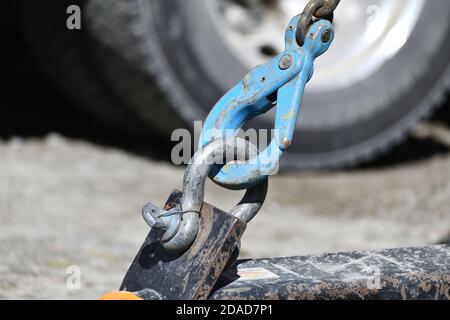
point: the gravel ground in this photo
(65, 202)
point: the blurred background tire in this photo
(151, 66)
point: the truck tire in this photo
(156, 65)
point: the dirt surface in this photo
(65, 202)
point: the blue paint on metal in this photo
(250, 98)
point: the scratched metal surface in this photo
(400, 274)
(192, 274)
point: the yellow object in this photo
(123, 295)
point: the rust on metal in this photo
(392, 274)
(158, 274)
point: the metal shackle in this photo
(194, 189)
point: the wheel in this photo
(105, 82)
(171, 60)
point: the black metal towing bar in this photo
(406, 274)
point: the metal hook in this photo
(282, 79)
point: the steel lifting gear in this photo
(179, 222)
(279, 83)
(187, 263)
(191, 242)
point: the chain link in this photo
(322, 9)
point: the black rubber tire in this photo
(95, 75)
(146, 61)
